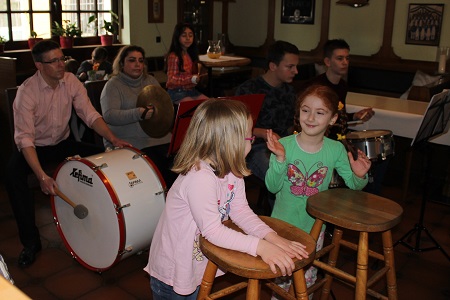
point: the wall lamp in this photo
(354, 3)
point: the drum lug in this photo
(136, 156)
(121, 207)
(103, 165)
(77, 157)
(160, 192)
(126, 250)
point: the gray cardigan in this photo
(118, 102)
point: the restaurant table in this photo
(402, 117)
(224, 61)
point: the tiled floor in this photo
(56, 275)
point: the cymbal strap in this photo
(146, 111)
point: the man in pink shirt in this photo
(42, 109)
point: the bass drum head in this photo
(124, 198)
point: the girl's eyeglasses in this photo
(251, 139)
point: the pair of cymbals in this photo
(161, 121)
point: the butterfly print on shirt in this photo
(305, 185)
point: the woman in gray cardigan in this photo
(118, 102)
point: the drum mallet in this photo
(78, 209)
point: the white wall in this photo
(361, 27)
(141, 33)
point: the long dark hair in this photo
(176, 48)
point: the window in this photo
(18, 18)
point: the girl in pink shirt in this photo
(209, 189)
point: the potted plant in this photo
(2, 43)
(33, 39)
(109, 27)
(66, 33)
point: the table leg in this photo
(210, 82)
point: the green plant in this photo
(2, 40)
(68, 29)
(108, 26)
(33, 34)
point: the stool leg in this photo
(361, 267)
(388, 250)
(300, 285)
(207, 280)
(332, 259)
(252, 289)
(315, 230)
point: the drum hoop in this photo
(389, 134)
(119, 214)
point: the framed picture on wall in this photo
(424, 24)
(156, 11)
(297, 11)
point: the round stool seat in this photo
(355, 210)
(248, 266)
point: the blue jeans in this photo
(258, 163)
(162, 291)
(258, 160)
(177, 94)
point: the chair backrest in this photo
(94, 91)
(10, 96)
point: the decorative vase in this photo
(66, 41)
(107, 39)
(33, 41)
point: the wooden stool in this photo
(254, 268)
(362, 212)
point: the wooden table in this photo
(223, 61)
(9, 291)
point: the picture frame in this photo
(156, 11)
(424, 24)
(297, 11)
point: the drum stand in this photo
(434, 123)
(419, 227)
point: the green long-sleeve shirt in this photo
(304, 174)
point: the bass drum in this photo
(125, 196)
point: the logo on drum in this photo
(81, 178)
(132, 183)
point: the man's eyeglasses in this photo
(55, 61)
(251, 139)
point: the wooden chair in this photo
(94, 91)
(362, 212)
(254, 268)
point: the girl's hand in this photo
(275, 146)
(360, 166)
(292, 248)
(275, 256)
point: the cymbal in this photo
(162, 120)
